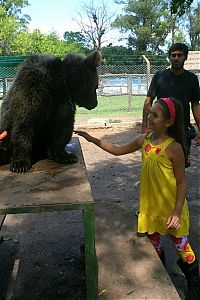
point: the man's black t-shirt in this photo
(183, 87)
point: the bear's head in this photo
(81, 78)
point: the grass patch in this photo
(114, 107)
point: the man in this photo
(178, 83)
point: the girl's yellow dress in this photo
(158, 191)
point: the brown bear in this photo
(39, 109)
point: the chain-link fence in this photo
(121, 92)
(8, 69)
(6, 77)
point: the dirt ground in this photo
(41, 252)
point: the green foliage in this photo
(76, 37)
(39, 43)
(193, 27)
(9, 27)
(152, 24)
(147, 23)
(14, 8)
(15, 39)
(180, 6)
(118, 55)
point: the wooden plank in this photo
(90, 254)
(47, 186)
(50, 186)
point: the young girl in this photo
(163, 206)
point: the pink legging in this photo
(181, 244)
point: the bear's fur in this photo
(39, 109)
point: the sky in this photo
(58, 15)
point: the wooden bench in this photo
(52, 187)
(129, 267)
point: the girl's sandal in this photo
(137, 212)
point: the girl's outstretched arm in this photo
(114, 149)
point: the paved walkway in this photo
(115, 185)
(128, 265)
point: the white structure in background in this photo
(193, 61)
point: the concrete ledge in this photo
(2, 218)
(128, 265)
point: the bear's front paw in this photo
(68, 158)
(20, 166)
(72, 158)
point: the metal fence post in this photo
(129, 79)
(148, 71)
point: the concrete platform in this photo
(128, 265)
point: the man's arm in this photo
(146, 108)
(196, 114)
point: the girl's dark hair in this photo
(176, 131)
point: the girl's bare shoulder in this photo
(174, 149)
(175, 146)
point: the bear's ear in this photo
(94, 59)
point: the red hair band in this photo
(171, 108)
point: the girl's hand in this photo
(173, 222)
(84, 134)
